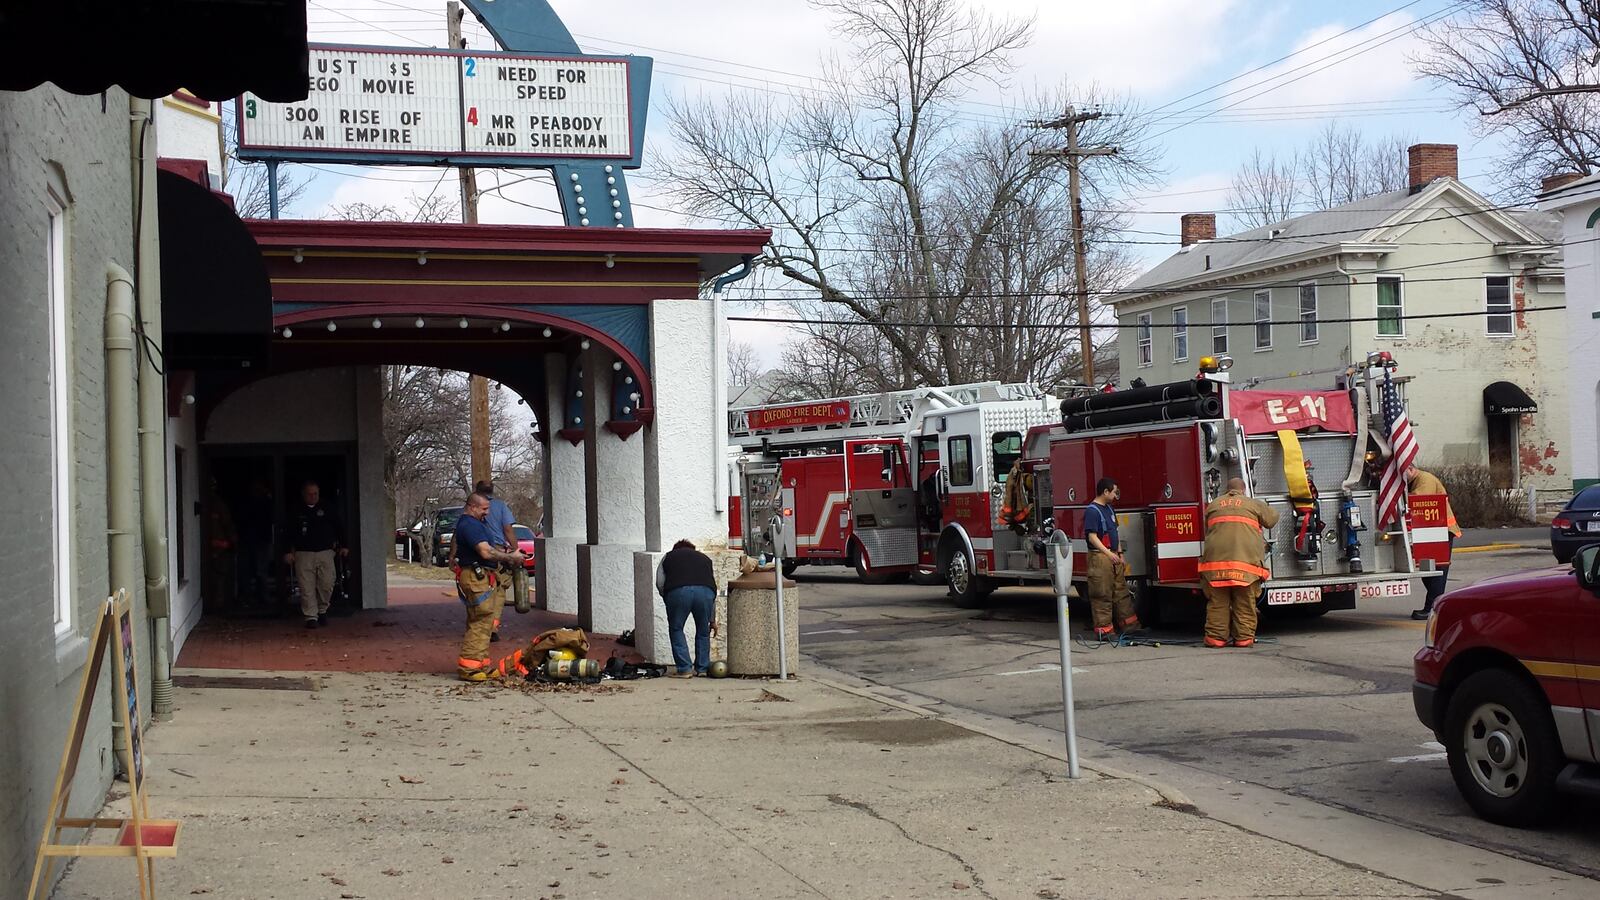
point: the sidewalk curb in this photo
(1169, 795)
(1486, 548)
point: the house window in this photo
(1219, 325)
(59, 376)
(1146, 350)
(1263, 320)
(1180, 334)
(961, 460)
(1497, 297)
(1308, 313)
(1391, 307)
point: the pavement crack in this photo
(977, 880)
(686, 801)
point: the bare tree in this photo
(1337, 166)
(1502, 59)
(247, 182)
(744, 366)
(1265, 190)
(924, 239)
(433, 207)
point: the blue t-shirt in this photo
(1101, 520)
(469, 533)
(499, 517)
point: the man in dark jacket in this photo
(688, 584)
(316, 534)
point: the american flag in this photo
(1397, 428)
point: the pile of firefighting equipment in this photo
(1014, 507)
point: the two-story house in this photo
(1577, 201)
(1463, 292)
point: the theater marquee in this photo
(437, 106)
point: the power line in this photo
(1120, 326)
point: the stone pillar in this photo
(614, 487)
(680, 457)
(565, 523)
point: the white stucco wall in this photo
(187, 131)
(186, 599)
(681, 481)
(1582, 357)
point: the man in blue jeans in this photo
(688, 584)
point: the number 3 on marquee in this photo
(472, 67)
(250, 108)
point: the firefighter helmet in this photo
(717, 669)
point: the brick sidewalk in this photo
(420, 631)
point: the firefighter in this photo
(1109, 599)
(1233, 565)
(1423, 482)
(480, 585)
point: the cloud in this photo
(1367, 64)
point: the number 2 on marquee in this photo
(471, 67)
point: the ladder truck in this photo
(848, 472)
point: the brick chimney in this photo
(1555, 182)
(1430, 161)
(1198, 227)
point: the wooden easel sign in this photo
(137, 837)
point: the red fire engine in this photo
(849, 469)
(1314, 455)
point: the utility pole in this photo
(1073, 154)
(469, 215)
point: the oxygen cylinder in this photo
(572, 669)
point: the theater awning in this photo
(216, 299)
(1506, 399)
(215, 49)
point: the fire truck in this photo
(854, 477)
(1315, 456)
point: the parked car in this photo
(444, 531)
(1508, 679)
(1577, 525)
(525, 543)
(408, 542)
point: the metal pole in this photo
(777, 571)
(272, 189)
(1061, 561)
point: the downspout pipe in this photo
(122, 430)
(152, 407)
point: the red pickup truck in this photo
(1508, 679)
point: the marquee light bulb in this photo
(288, 332)
(616, 367)
(505, 326)
(420, 323)
(584, 345)
(377, 323)
(547, 332)
(333, 326)
(462, 323)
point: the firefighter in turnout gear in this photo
(480, 585)
(1109, 599)
(1233, 565)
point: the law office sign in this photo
(373, 104)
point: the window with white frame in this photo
(1180, 334)
(59, 377)
(1219, 325)
(1308, 313)
(1391, 307)
(1146, 349)
(1497, 305)
(1263, 320)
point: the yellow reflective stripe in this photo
(1546, 669)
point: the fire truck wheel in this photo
(968, 588)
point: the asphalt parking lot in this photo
(1320, 710)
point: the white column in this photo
(614, 479)
(565, 525)
(680, 452)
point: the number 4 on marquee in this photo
(472, 115)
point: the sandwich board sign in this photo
(137, 837)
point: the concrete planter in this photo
(753, 624)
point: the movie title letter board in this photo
(441, 106)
